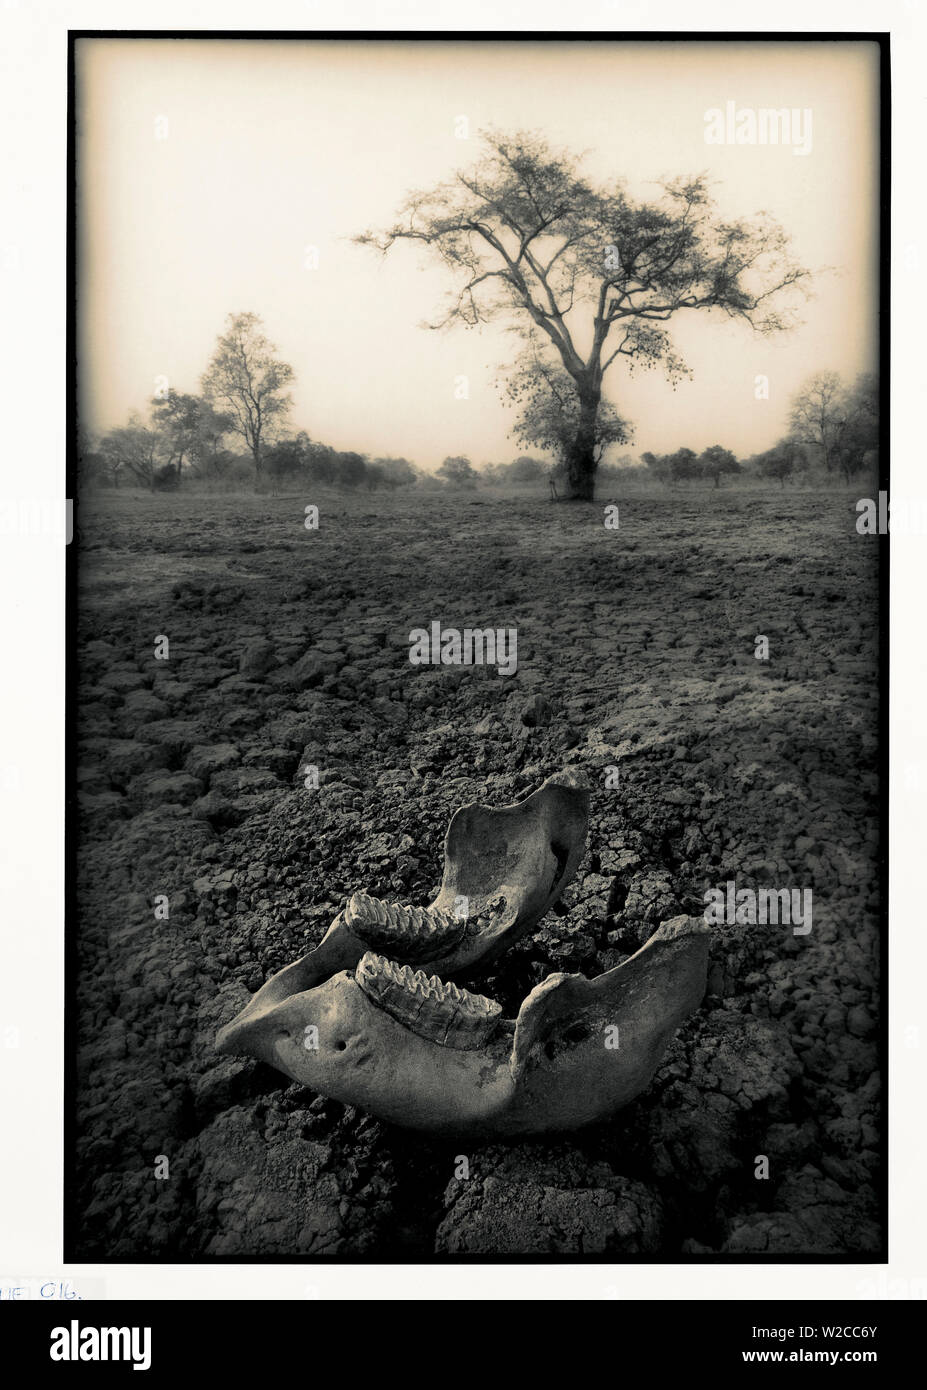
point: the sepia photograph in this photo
(476, 715)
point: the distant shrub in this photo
(457, 471)
(165, 478)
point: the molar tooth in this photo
(409, 933)
(442, 1013)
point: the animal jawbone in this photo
(424, 1053)
(362, 1020)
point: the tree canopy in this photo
(594, 273)
(246, 376)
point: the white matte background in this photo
(33, 102)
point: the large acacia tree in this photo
(595, 273)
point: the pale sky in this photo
(273, 147)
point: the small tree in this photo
(245, 374)
(191, 430)
(526, 469)
(658, 465)
(715, 461)
(782, 461)
(816, 413)
(683, 465)
(839, 425)
(351, 469)
(857, 441)
(91, 464)
(321, 462)
(494, 473)
(286, 459)
(174, 416)
(396, 472)
(457, 471)
(134, 448)
(208, 453)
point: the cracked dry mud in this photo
(635, 650)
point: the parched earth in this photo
(289, 648)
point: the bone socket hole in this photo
(561, 854)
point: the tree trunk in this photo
(581, 461)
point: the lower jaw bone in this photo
(581, 1049)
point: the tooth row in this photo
(443, 1013)
(408, 933)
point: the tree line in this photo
(686, 464)
(233, 429)
(244, 402)
(833, 429)
(243, 397)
